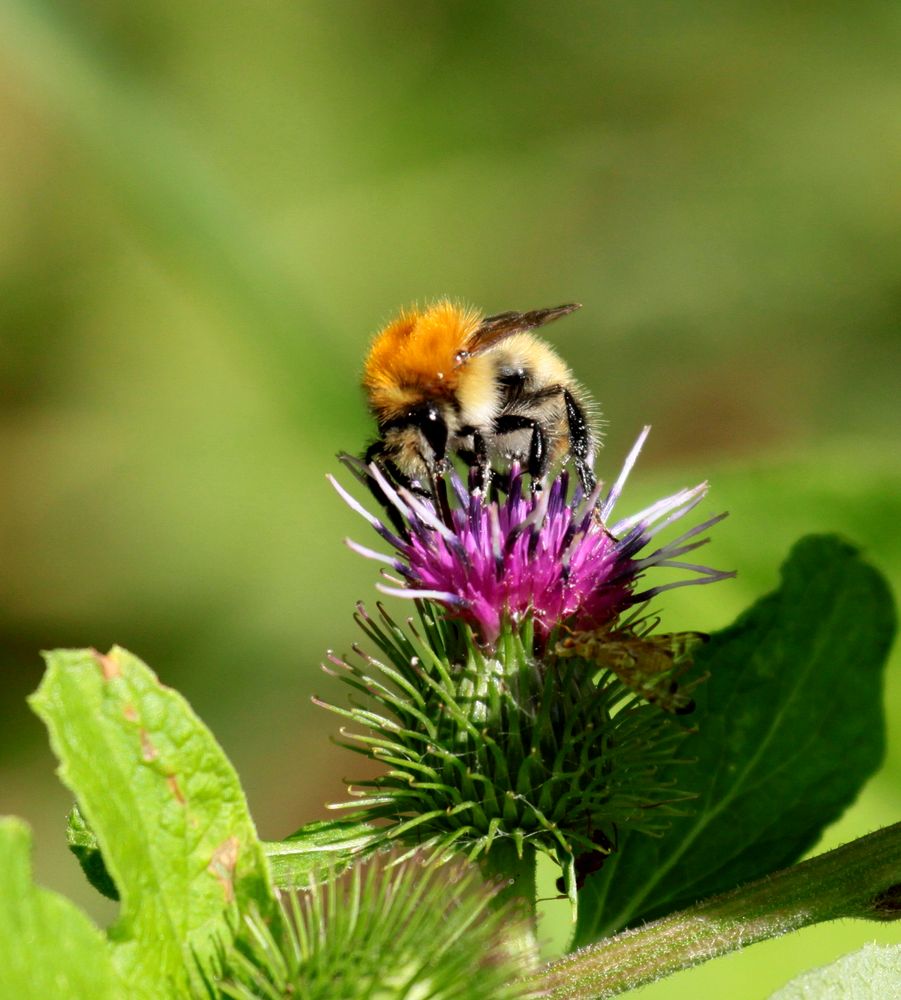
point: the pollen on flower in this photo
(553, 556)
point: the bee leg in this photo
(439, 484)
(378, 454)
(483, 466)
(537, 462)
(476, 458)
(580, 441)
(374, 452)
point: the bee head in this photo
(426, 418)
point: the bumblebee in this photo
(447, 381)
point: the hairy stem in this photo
(516, 876)
(861, 879)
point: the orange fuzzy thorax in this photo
(415, 356)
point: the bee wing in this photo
(495, 328)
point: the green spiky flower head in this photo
(385, 930)
(507, 715)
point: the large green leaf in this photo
(166, 808)
(48, 947)
(789, 726)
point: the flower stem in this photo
(860, 880)
(516, 876)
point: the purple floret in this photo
(548, 555)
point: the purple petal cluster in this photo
(549, 555)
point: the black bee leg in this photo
(376, 453)
(441, 499)
(481, 450)
(537, 462)
(476, 458)
(483, 466)
(580, 441)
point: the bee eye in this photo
(427, 417)
(461, 357)
(422, 413)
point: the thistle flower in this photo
(524, 711)
(556, 559)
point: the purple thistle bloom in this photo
(555, 558)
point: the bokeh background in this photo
(207, 210)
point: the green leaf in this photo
(324, 847)
(790, 725)
(83, 844)
(48, 947)
(873, 973)
(167, 810)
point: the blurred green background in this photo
(208, 209)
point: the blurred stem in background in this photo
(172, 193)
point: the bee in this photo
(447, 381)
(649, 665)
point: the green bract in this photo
(383, 931)
(545, 754)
